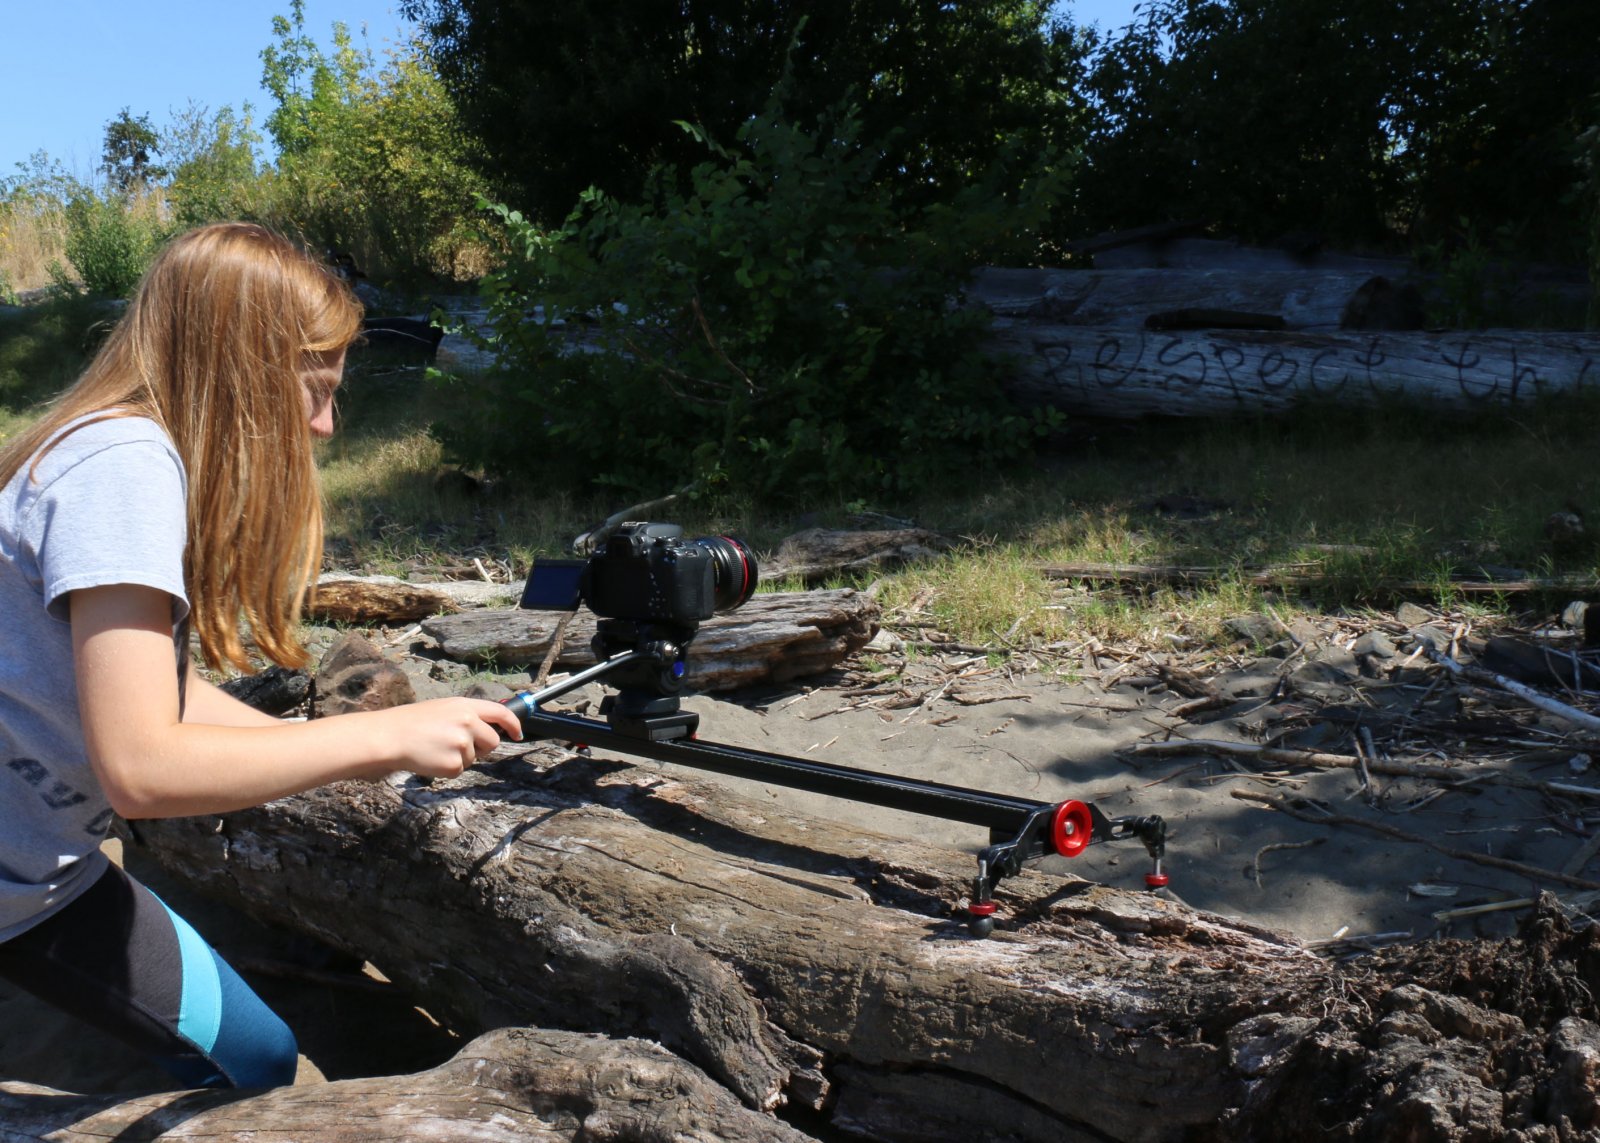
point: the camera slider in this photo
(644, 722)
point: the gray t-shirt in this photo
(106, 505)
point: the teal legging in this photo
(119, 959)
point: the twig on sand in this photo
(1401, 769)
(1533, 872)
(1255, 866)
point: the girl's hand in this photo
(442, 737)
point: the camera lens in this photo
(734, 571)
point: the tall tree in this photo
(586, 93)
(1367, 119)
(126, 157)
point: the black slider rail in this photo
(1020, 829)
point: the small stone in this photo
(1373, 643)
(1411, 615)
(354, 675)
(1254, 629)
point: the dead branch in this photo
(1425, 771)
(1533, 872)
(1488, 678)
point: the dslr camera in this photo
(647, 574)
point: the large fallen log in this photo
(774, 637)
(795, 960)
(1129, 373)
(514, 1085)
(1127, 299)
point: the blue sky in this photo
(71, 65)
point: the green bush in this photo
(782, 326)
(372, 161)
(111, 240)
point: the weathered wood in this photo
(1301, 576)
(774, 637)
(818, 553)
(508, 1086)
(1128, 373)
(374, 599)
(1125, 299)
(797, 960)
(275, 690)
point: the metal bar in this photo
(935, 799)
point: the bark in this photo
(386, 599)
(773, 638)
(375, 599)
(1127, 299)
(799, 961)
(817, 553)
(507, 1086)
(1128, 373)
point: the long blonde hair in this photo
(211, 349)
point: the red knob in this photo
(1071, 829)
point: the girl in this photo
(173, 489)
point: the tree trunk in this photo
(799, 961)
(514, 1085)
(1127, 299)
(1125, 373)
(773, 638)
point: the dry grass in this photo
(33, 236)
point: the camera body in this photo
(647, 573)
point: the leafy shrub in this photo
(111, 239)
(781, 325)
(215, 171)
(372, 161)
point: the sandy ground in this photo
(1043, 736)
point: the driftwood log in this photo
(1129, 373)
(773, 638)
(513, 1085)
(1127, 299)
(818, 553)
(387, 599)
(801, 963)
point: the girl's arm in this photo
(209, 704)
(152, 765)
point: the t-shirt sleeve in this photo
(115, 515)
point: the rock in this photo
(1434, 638)
(1411, 615)
(1258, 630)
(1373, 643)
(354, 675)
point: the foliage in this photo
(781, 326)
(43, 347)
(372, 161)
(1588, 198)
(586, 93)
(112, 238)
(215, 166)
(126, 158)
(1366, 119)
(33, 221)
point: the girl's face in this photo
(320, 375)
